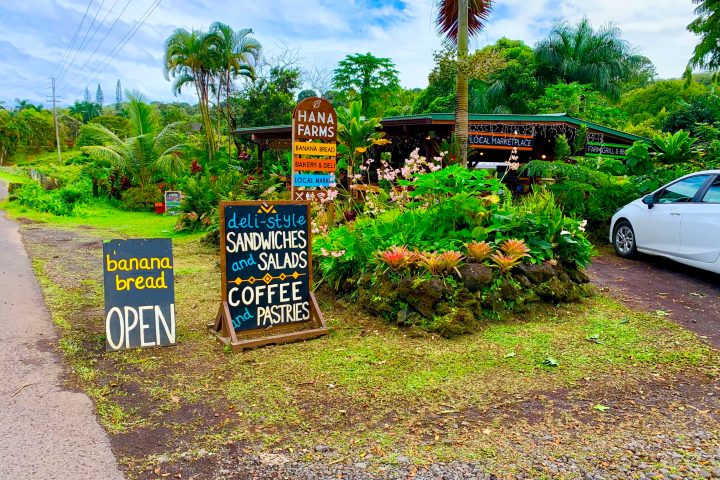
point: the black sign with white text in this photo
(139, 293)
(266, 264)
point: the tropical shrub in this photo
(141, 199)
(60, 202)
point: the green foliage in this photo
(450, 180)
(60, 202)
(147, 153)
(707, 26)
(267, 101)
(10, 135)
(86, 110)
(638, 159)
(674, 147)
(141, 199)
(579, 101)
(700, 109)
(513, 86)
(365, 77)
(646, 104)
(89, 136)
(38, 129)
(355, 133)
(562, 148)
(449, 224)
(120, 126)
(584, 191)
(579, 53)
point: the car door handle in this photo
(675, 213)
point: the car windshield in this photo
(684, 190)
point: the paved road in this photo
(46, 432)
(690, 296)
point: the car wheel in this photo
(624, 239)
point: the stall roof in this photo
(449, 118)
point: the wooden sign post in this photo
(139, 293)
(314, 146)
(266, 265)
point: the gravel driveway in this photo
(690, 297)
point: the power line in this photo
(87, 60)
(82, 44)
(72, 43)
(128, 36)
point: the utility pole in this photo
(57, 129)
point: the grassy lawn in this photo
(368, 390)
(105, 219)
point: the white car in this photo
(680, 221)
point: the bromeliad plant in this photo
(479, 251)
(397, 258)
(440, 263)
(505, 262)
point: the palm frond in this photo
(447, 17)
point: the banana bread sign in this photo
(139, 293)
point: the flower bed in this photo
(453, 251)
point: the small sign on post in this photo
(139, 293)
(266, 265)
(172, 202)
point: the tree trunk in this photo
(461, 109)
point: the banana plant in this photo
(674, 147)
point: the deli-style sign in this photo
(139, 293)
(266, 270)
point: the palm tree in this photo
(86, 110)
(458, 19)
(190, 59)
(357, 133)
(147, 151)
(236, 55)
(580, 54)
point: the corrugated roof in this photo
(478, 117)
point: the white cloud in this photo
(36, 35)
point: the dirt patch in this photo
(690, 296)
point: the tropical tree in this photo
(147, 151)
(26, 104)
(236, 55)
(366, 77)
(579, 53)
(9, 135)
(86, 110)
(189, 59)
(356, 134)
(118, 96)
(458, 19)
(707, 25)
(99, 96)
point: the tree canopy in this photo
(366, 77)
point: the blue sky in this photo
(35, 36)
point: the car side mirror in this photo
(649, 200)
